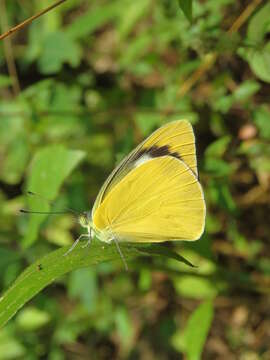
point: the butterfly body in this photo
(154, 194)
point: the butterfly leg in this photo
(120, 252)
(89, 235)
(76, 243)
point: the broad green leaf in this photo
(147, 122)
(7, 257)
(58, 230)
(134, 51)
(186, 6)
(246, 90)
(258, 57)
(217, 167)
(264, 265)
(189, 286)
(124, 326)
(58, 48)
(259, 62)
(87, 294)
(131, 13)
(36, 35)
(55, 105)
(49, 168)
(197, 329)
(220, 194)
(11, 127)
(213, 224)
(93, 19)
(202, 247)
(223, 103)
(14, 143)
(241, 243)
(13, 165)
(259, 24)
(32, 318)
(217, 148)
(145, 280)
(262, 121)
(44, 271)
(10, 346)
(53, 21)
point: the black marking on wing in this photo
(152, 151)
(157, 151)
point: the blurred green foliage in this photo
(95, 79)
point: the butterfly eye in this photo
(83, 220)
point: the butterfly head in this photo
(85, 220)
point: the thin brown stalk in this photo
(244, 16)
(8, 51)
(29, 20)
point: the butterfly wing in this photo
(158, 200)
(175, 139)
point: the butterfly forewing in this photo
(175, 139)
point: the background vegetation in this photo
(79, 88)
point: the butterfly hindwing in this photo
(159, 200)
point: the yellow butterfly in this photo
(153, 195)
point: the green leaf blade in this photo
(50, 167)
(258, 57)
(91, 21)
(54, 265)
(197, 330)
(186, 6)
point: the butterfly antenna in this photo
(66, 209)
(24, 211)
(121, 254)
